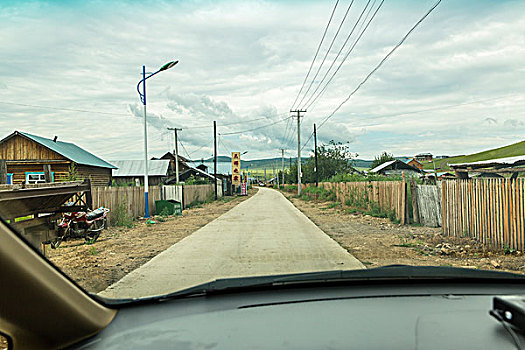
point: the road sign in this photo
(236, 168)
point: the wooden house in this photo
(423, 157)
(416, 164)
(26, 156)
(131, 172)
(395, 167)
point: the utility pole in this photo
(176, 152)
(282, 166)
(274, 173)
(299, 111)
(215, 156)
(315, 151)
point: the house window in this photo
(37, 178)
(9, 179)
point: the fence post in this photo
(415, 208)
(47, 173)
(3, 171)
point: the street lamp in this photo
(143, 100)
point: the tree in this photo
(382, 158)
(332, 159)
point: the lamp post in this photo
(143, 100)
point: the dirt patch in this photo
(378, 242)
(119, 250)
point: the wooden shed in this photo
(26, 155)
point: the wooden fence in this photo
(389, 195)
(489, 210)
(426, 204)
(194, 193)
(132, 197)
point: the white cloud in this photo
(245, 60)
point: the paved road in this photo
(263, 235)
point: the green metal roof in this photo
(70, 151)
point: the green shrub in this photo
(120, 216)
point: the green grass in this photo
(516, 149)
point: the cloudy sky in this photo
(456, 86)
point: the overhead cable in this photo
(253, 129)
(327, 51)
(312, 99)
(316, 53)
(380, 63)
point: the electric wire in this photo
(233, 123)
(257, 128)
(380, 63)
(62, 109)
(313, 99)
(316, 53)
(327, 51)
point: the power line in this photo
(316, 53)
(308, 103)
(61, 109)
(233, 123)
(436, 108)
(327, 52)
(221, 141)
(381, 62)
(253, 129)
(184, 148)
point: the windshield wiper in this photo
(387, 273)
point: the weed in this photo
(164, 213)
(508, 250)
(120, 216)
(334, 205)
(93, 251)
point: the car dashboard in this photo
(413, 315)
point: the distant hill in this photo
(270, 162)
(516, 149)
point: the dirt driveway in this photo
(378, 242)
(120, 250)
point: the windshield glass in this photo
(149, 147)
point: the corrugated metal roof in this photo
(69, 150)
(382, 166)
(400, 165)
(128, 168)
(518, 160)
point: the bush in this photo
(120, 216)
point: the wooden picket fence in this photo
(389, 195)
(489, 210)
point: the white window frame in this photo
(30, 177)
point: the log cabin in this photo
(26, 155)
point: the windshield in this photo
(149, 147)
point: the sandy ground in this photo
(378, 242)
(264, 235)
(119, 250)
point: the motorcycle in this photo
(87, 225)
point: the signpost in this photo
(236, 168)
(244, 191)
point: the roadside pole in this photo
(176, 151)
(215, 157)
(282, 166)
(315, 151)
(298, 149)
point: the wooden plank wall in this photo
(389, 195)
(489, 210)
(133, 197)
(429, 204)
(18, 147)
